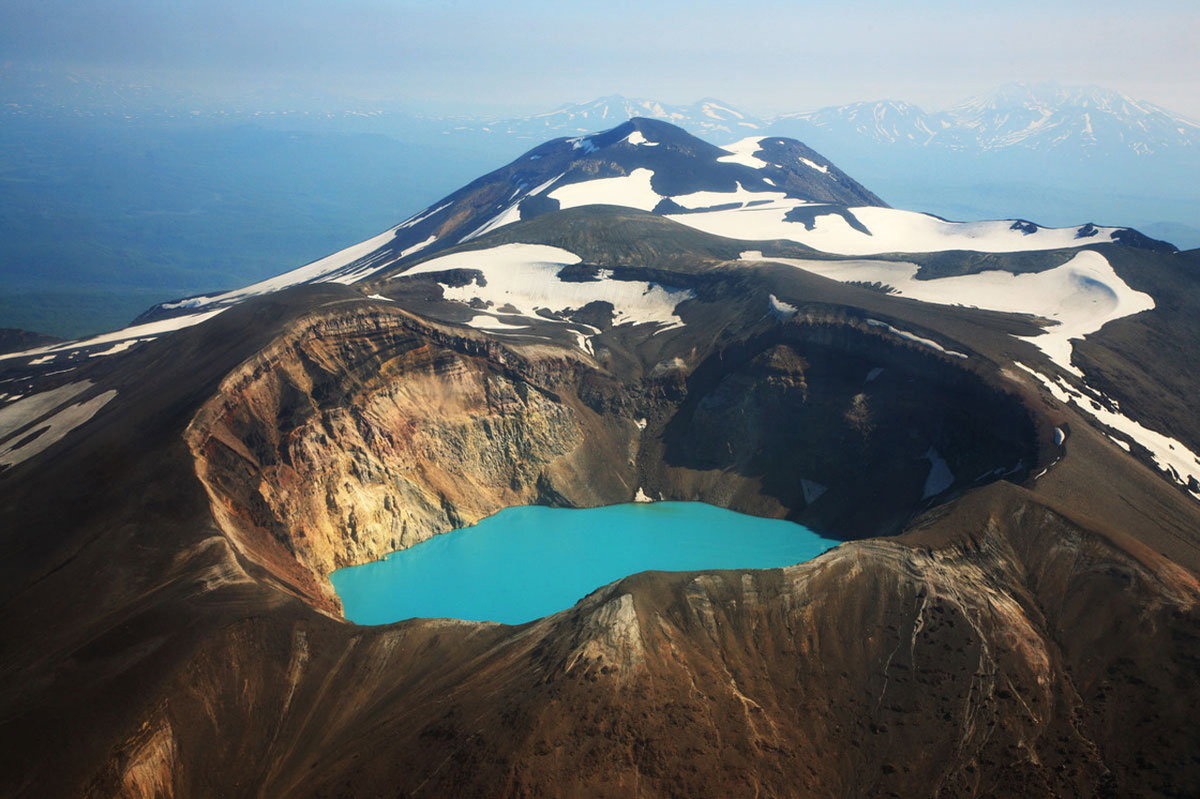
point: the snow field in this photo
(525, 276)
(51, 430)
(742, 152)
(147, 331)
(632, 191)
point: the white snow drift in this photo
(525, 276)
(1170, 454)
(632, 191)
(304, 274)
(891, 230)
(146, 332)
(742, 152)
(1082, 295)
(49, 431)
(707, 199)
(761, 216)
(913, 337)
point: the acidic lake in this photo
(527, 562)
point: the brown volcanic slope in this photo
(168, 628)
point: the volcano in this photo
(995, 417)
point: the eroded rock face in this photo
(424, 439)
(837, 427)
(148, 767)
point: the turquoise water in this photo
(528, 562)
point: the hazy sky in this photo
(765, 56)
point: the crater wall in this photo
(357, 434)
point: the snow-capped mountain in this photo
(642, 163)
(758, 190)
(1047, 116)
(1031, 116)
(1041, 116)
(884, 121)
(708, 118)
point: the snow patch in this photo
(146, 331)
(120, 346)
(421, 217)
(740, 195)
(582, 340)
(525, 276)
(1170, 455)
(780, 308)
(308, 272)
(812, 490)
(925, 342)
(891, 230)
(304, 274)
(485, 322)
(543, 186)
(194, 302)
(824, 170)
(583, 143)
(636, 138)
(632, 190)
(742, 152)
(407, 251)
(506, 217)
(940, 477)
(20, 412)
(52, 430)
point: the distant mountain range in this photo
(1042, 116)
(1038, 116)
(1030, 116)
(1056, 153)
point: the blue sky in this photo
(765, 56)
